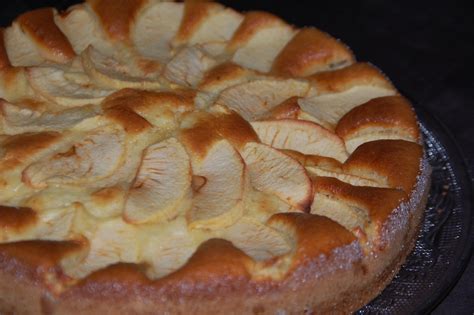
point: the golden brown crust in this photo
(19, 148)
(216, 266)
(131, 122)
(215, 262)
(137, 110)
(16, 218)
(315, 235)
(360, 73)
(200, 137)
(104, 282)
(117, 16)
(287, 109)
(207, 129)
(310, 51)
(394, 162)
(389, 112)
(106, 195)
(227, 126)
(222, 73)
(140, 101)
(38, 253)
(39, 24)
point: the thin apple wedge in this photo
(81, 27)
(52, 84)
(339, 91)
(162, 183)
(259, 39)
(155, 28)
(274, 172)
(188, 66)
(256, 239)
(15, 119)
(329, 108)
(111, 73)
(324, 166)
(303, 136)
(219, 196)
(208, 24)
(109, 241)
(169, 246)
(253, 99)
(89, 160)
(220, 78)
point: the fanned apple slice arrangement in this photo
(143, 136)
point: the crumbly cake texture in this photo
(165, 157)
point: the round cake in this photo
(163, 157)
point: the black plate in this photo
(443, 247)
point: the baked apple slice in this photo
(52, 84)
(15, 119)
(169, 246)
(219, 188)
(188, 66)
(274, 172)
(259, 39)
(154, 29)
(109, 241)
(253, 99)
(256, 239)
(81, 27)
(339, 91)
(218, 79)
(209, 25)
(89, 160)
(162, 184)
(366, 211)
(324, 166)
(111, 73)
(303, 136)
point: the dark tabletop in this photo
(425, 47)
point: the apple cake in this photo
(164, 157)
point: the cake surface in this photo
(167, 157)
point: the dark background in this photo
(425, 47)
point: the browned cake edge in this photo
(351, 301)
(23, 289)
